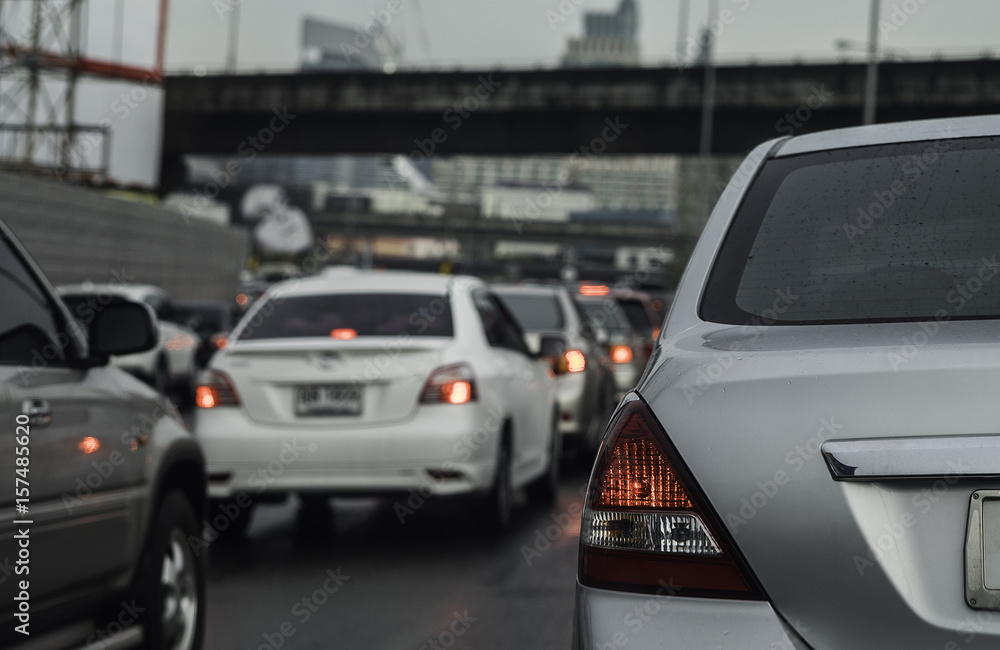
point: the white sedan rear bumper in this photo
(244, 455)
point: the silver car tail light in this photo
(646, 524)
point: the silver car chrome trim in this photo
(899, 458)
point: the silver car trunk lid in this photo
(873, 562)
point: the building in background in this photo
(620, 186)
(329, 46)
(318, 183)
(609, 39)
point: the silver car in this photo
(100, 541)
(812, 458)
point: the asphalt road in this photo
(356, 577)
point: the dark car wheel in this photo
(161, 377)
(171, 589)
(230, 518)
(497, 506)
(545, 488)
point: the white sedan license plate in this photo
(328, 399)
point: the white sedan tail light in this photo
(646, 524)
(215, 388)
(450, 385)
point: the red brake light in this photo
(645, 523)
(343, 334)
(450, 385)
(594, 290)
(621, 354)
(215, 389)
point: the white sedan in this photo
(377, 383)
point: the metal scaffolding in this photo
(42, 60)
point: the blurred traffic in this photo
(374, 307)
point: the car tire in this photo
(544, 489)
(600, 417)
(171, 588)
(316, 517)
(237, 518)
(161, 377)
(497, 507)
(185, 393)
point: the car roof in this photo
(528, 289)
(374, 281)
(131, 291)
(895, 132)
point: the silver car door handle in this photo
(38, 411)
(900, 458)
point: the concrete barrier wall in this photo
(77, 235)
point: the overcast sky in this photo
(485, 32)
(521, 31)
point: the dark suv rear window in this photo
(376, 314)
(872, 234)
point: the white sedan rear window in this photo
(347, 316)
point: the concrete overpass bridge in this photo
(656, 110)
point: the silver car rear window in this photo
(875, 234)
(350, 315)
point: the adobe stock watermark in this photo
(796, 460)
(612, 130)
(106, 468)
(708, 376)
(462, 451)
(898, 524)
(972, 626)
(641, 614)
(958, 298)
(128, 615)
(795, 120)
(564, 11)
(884, 200)
(789, 124)
(304, 609)
(379, 23)
(716, 26)
(461, 623)
(248, 149)
(455, 117)
(562, 522)
(900, 14)
(84, 314)
(86, 143)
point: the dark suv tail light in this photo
(646, 524)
